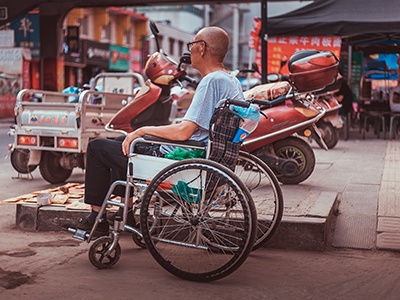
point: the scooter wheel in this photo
(19, 160)
(99, 254)
(298, 151)
(330, 134)
(50, 168)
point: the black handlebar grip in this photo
(189, 79)
(269, 103)
(239, 103)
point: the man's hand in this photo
(128, 140)
(175, 132)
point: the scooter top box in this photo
(312, 69)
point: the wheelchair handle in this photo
(134, 142)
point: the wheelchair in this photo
(196, 217)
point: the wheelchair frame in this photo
(109, 246)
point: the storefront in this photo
(73, 58)
(370, 37)
(119, 59)
(96, 59)
(27, 35)
(14, 76)
(280, 49)
(135, 60)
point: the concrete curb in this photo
(310, 232)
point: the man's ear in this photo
(202, 50)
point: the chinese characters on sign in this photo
(72, 39)
(27, 31)
(281, 48)
(25, 26)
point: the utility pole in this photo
(206, 15)
(263, 35)
(235, 37)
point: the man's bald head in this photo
(217, 41)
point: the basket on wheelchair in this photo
(197, 217)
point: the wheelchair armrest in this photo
(189, 143)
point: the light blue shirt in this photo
(212, 88)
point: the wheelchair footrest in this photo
(79, 234)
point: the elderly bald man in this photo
(107, 157)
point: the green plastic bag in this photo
(181, 154)
(190, 195)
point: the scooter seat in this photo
(268, 91)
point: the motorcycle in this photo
(287, 110)
(274, 141)
(331, 124)
(152, 104)
(294, 109)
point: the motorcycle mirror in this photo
(154, 31)
(185, 59)
(254, 66)
(284, 60)
(153, 28)
(273, 77)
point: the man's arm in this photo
(175, 132)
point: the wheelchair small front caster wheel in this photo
(99, 254)
(138, 241)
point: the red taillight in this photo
(67, 143)
(332, 103)
(27, 140)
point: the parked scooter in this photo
(296, 111)
(290, 112)
(331, 124)
(152, 104)
(287, 111)
(290, 157)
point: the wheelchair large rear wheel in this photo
(203, 223)
(266, 193)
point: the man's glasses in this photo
(190, 45)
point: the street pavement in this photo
(362, 176)
(365, 174)
(361, 262)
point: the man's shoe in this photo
(131, 219)
(86, 224)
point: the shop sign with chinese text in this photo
(27, 34)
(281, 48)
